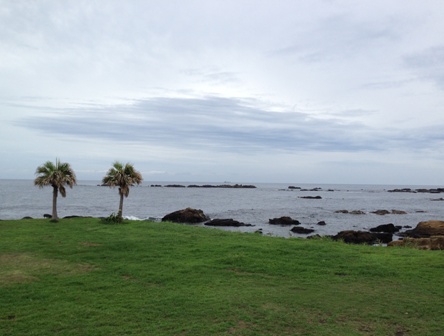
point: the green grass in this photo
(83, 277)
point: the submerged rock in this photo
(311, 197)
(284, 220)
(301, 230)
(381, 212)
(226, 222)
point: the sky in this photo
(290, 91)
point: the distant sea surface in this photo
(20, 198)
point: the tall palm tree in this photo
(124, 177)
(57, 176)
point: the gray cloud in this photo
(220, 124)
(429, 64)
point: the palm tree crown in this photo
(122, 176)
(56, 175)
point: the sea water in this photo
(20, 198)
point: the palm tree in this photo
(124, 177)
(57, 176)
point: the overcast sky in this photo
(292, 91)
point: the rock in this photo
(293, 187)
(431, 243)
(431, 191)
(27, 217)
(47, 216)
(187, 215)
(311, 197)
(356, 237)
(353, 212)
(174, 186)
(408, 190)
(357, 212)
(322, 223)
(316, 236)
(389, 228)
(427, 229)
(399, 212)
(284, 220)
(383, 237)
(381, 212)
(226, 222)
(301, 230)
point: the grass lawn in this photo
(83, 277)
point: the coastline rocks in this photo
(234, 186)
(381, 212)
(322, 223)
(311, 197)
(187, 215)
(301, 230)
(353, 212)
(226, 222)
(386, 212)
(432, 243)
(388, 228)
(284, 220)
(47, 216)
(362, 237)
(422, 190)
(427, 229)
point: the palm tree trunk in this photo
(54, 204)
(119, 214)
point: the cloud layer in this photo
(309, 91)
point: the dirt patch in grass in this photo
(89, 244)
(16, 268)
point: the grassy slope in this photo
(81, 277)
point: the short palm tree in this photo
(124, 177)
(57, 176)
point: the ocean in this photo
(20, 198)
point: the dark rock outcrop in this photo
(284, 220)
(381, 212)
(388, 228)
(362, 237)
(383, 237)
(301, 230)
(47, 216)
(353, 212)
(422, 190)
(322, 223)
(311, 197)
(188, 215)
(226, 222)
(398, 212)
